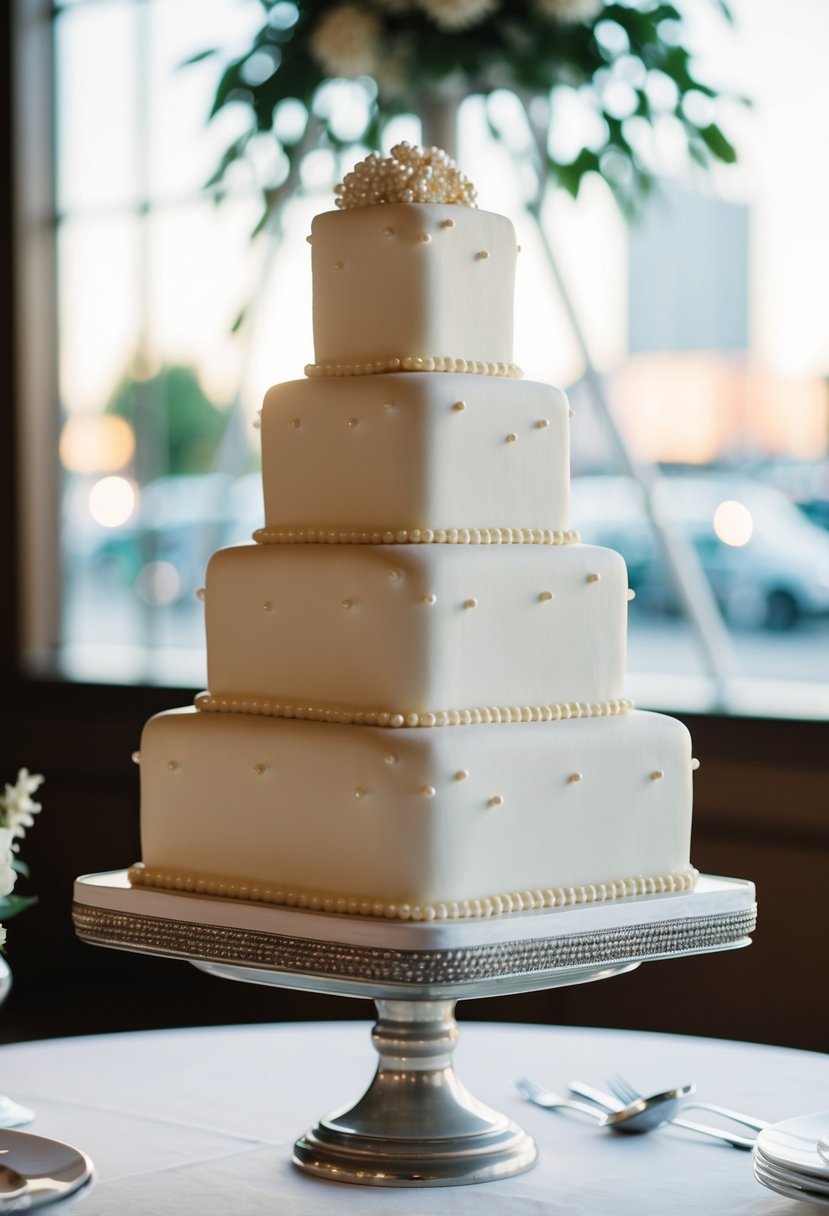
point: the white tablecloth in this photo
(201, 1122)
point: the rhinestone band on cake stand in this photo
(416, 1125)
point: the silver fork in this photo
(625, 1092)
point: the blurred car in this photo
(768, 566)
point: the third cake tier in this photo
(411, 633)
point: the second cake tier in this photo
(416, 635)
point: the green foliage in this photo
(517, 45)
(171, 412)
(13, 905)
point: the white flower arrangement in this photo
(17, 811)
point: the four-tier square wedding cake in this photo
(415, 704)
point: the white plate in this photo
(792, 1144)
(774, 1183)
(53, 1170)
(792, 1177)
(782, 1188)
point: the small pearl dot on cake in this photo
(200, 593)
(512, 437)
(293, 423)
(260, 769)
(388, 405)
(694, 764)
(359, 792)
(481, 255)
(347, 604)
(257, 422)
(172, 765)
(388, 232)
(395, 576)
(428, 791)
(542, 423)
(461, 774)
(546, 596)
(267, 606)
(424, 238)
(631, 594)
(352, 422)
(309, 239)
(471, 603)
(574, 778)
(429, 599)
(459, 405)
(496, 800)
(136, 757)
(447, 223)
(571, 413)
(391, 758)
(593, 578)
(657, 774)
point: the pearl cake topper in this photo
(409, 175)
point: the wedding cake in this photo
(415, 705)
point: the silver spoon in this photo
(661, 1110)
(12, 1185)
(625, 1092)
(636, 1118)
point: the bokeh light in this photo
(733, 524)
(159, 583)
(112, 500)
(96, 443)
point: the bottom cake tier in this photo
(418, 823)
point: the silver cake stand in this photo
(416, 1125)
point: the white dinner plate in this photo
(792, 1177)
(792, 1144)
(53, 1170)
(790, 1191)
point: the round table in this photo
(202, 1122)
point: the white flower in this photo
(7, 874)
(17, 807)
(346, 42)
(458, 14)
(570, 12)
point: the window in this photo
(706, 323)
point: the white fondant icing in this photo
(405, 643)
(445, 301)
(354, 823)
(415, 462)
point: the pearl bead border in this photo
(489, 715)
(415, 363)
(465, 909)
(416, 536)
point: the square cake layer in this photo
(415, 451)
(415, 629)
(415, 822)
(412, 281)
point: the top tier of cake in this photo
(449, 272)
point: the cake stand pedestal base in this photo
(416, 1125)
